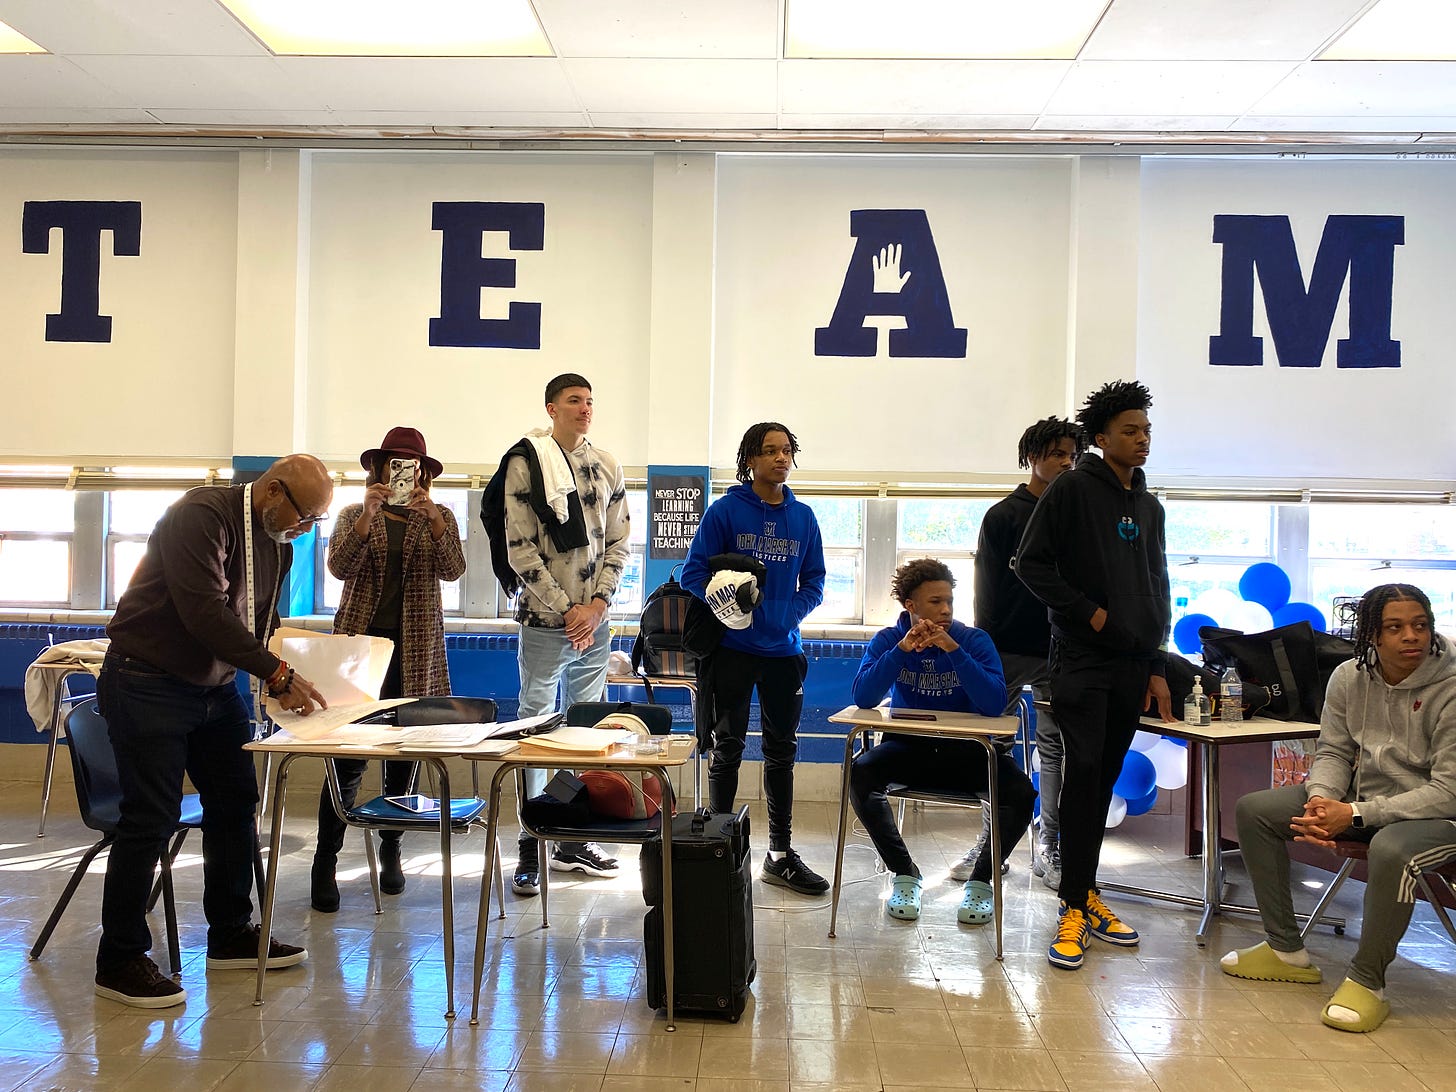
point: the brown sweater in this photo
(183, 611)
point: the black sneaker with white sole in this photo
(526, 879)
(790, 871)
(140, 983)
(586, 857)
(241, 953)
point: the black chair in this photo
(379, 814)
(98, 794)
(658, 719)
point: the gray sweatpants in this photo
(1033, 670)
(1398, 852)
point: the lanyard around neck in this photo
(257, 629)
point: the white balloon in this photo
(1171, 763)
(1036, 760)
(1145, 741)
(1250, 617)
(1116, 812)
(1218, 603)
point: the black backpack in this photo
(493, 516)
(677, 630)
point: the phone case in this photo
(402, 476)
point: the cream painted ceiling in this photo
(1224, 70)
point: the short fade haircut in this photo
(564, 382)
(1041, 437)
(1107, 401)
(1370, 615)
(752, 444)
(909, 576)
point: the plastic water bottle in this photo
(1231, 690)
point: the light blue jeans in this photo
(548, 664)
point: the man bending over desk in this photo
(1384, 773)
(927, 660)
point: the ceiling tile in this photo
(434, 83)
(1365, 123)
(907, 123)
(1336, 88)
(1253, 30)
(464, 119)
(674, 86)
(918, 87)
(35, 80)
(1127, 123)
(43, 116)
(679, 121)
(1142, 88)
(661, 28)
(148, 27)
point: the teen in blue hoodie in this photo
(760, 517)
(928, 660)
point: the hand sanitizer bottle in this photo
(1198, 700)
(1190, 704)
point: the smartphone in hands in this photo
(403, 473)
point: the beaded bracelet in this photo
(278, 692)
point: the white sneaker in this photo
(962, 869)
(1048, 864)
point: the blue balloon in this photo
(1138, 778)
(1185, 633)
(1179, 742)
(1144, 805)
(1036, 784)
(1290, 613)
(1266, 584)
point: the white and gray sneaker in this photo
(1048, 864)
(962, 869)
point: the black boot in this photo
(391, 875)
(323, 893)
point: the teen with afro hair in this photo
(1093, 553)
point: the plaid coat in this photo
(360, 564)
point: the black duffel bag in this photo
(1294, 663)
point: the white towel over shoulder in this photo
(556, 476)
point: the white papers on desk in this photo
(569, 739)
(326, 725)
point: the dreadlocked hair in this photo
(909, 576)
(752, 445)
(1041, 437)
(1371, 612)
(1107, 401)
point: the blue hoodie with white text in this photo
(785, 537)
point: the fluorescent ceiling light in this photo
(12, 41)
(1399, 30)
(395, 28)
(939, 29)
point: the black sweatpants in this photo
(1097, 700)
(780, 683)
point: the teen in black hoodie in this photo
(1093, 552)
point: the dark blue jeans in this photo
(161, 728)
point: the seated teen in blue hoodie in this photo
(927, 660)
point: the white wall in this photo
(282, 300)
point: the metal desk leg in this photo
(668, 969)
(994, 795)
(1212, 847)
(275, 854)
(854, 732)
(492, 833)
(51, 744)
(447, 894)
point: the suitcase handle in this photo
(700, 819)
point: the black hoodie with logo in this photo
(1091, 543)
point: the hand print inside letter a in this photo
(888, 277)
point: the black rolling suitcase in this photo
(712, 909)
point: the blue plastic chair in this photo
(98, 794)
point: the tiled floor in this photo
(885, 1005)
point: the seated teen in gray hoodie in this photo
(1384, 773)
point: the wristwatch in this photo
(1356, 819)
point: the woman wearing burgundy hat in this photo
(391, 558)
